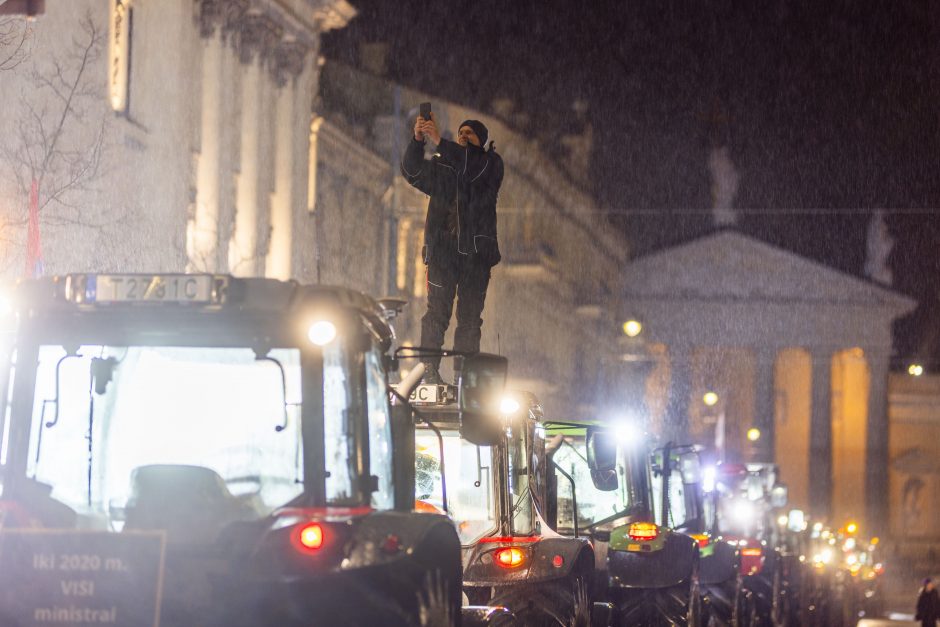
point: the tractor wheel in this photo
(580, 600)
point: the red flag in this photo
(33, 243)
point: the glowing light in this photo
(851, 527)
(915, 370)
(322, 332)
(796, 520)
(509, 557)
(753, 434)
(710, 399)
(632, 328)
(558, 561)
(508, 405)
(743, 511)
(709, 476)
(643, 531)
(311, 536)
(627, 432)
(783, 520)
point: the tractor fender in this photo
(675, 563)
(720, 565)
(548, 559)
(546, 565)
(385, 537)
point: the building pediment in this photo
(729, 265)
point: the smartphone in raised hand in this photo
(425, 111)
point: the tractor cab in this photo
(495, 480)
(206, 449)
(605, 491)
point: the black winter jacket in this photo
(928, 607)
(469, 177)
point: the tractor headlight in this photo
(321, 332)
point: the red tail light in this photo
(509, 557)
(643, 531)
(751, 560)
(701, 538)
(309, 537)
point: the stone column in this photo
(203, 241)
(680, 390)
(876, 467)
(254, 43)
(765, 358)
(290, 63)
(820, 434)
(244, 248)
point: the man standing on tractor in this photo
(460, 247)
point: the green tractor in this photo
(646, 567)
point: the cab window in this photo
(380, 435)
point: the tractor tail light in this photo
(752, 560)
(643, 531)
(308, 538)
(509, 557)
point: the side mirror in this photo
(779, 496)
(602, 459)
(482, 381)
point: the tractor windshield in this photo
(115, 429)
(595, 506)
(469, 479)
(111, 424)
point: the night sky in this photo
(829, 109)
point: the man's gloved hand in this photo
(427, 128)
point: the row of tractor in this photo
(211, 450)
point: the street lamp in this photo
(753, 434)
(710, 399)
(632, 328)
(915, 370)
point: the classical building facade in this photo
(185, 141)
(551, 303)
(789, 347)
(914, 412)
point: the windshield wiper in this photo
(280, 369)
(69, 354)
(480, 469)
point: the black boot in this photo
(431, 375)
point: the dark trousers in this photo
(451, 273)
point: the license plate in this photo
(425, 393)
(127, 288)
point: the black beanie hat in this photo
(479, 128)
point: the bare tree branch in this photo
(60, 138)
(15, 34)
